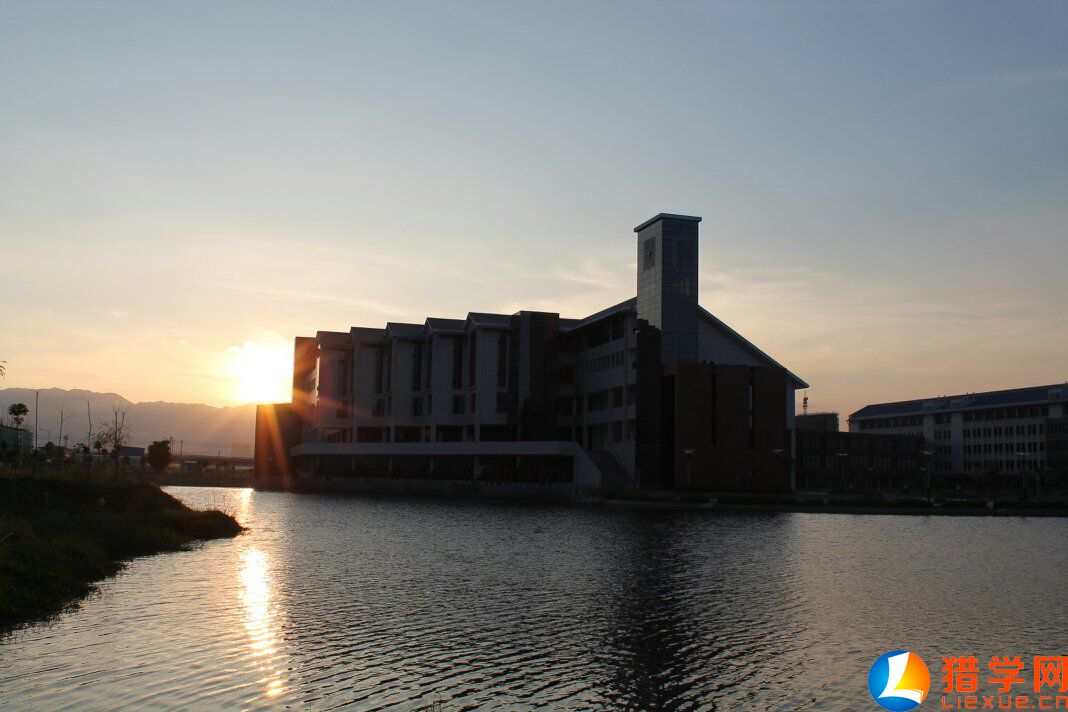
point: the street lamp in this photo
(842, 467)
(688, 452)
(778, 469)
(927, 458)
(1023, 455)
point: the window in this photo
(649, 253)
(379, 367)
(597, 401)
(617, 431)
(458, 365)
(417, 367)
(388, 368)
(472, 364)
(502, 402)
(457, 405)
(502, 359)
(430, 365)
(417, 406)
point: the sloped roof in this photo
(484, 319)
(631, 304)
(624, 306)
(434, 323)
(402, 330)
(965, 401)
(367, 333)
(333, 338)
(749, 346)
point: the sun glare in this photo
(260, 374)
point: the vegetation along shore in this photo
(60, 533)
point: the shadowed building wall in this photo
(733, 419)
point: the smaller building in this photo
(843, 462)
(821, 422)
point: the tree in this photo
(3, 369)
(114, 435)
(159, 455)
(18, 413)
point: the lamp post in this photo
(688, 452)
(927, 467)
(1022, 466)
(842, 467)
(778, 469)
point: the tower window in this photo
(649, 253)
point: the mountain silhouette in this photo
(197, 429)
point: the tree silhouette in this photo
(18, 413)
(159, 455)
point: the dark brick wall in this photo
(711, 417)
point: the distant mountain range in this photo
(197, 429)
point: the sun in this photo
(260, 374)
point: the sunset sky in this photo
(185, 187)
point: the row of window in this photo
(601, 363)
(1000, 430)
(1023, 411)
(1032, 411)
(909, 421)
(987, 448)
(1003, 465)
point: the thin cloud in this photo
(999, 80)
(381, 307)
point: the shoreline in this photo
(548, 494)
(60, 535)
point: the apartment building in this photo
(1008, 431)
(652, 392)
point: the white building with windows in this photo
(1016, 430)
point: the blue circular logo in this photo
(899, 681)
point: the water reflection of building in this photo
(1016, 430)
(654, 391)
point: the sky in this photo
(185, 187)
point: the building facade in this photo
(855, 461)
(653, 392)
(1009, 431)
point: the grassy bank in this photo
(59, 534)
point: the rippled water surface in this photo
(397, 604)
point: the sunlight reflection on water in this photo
(259, 619)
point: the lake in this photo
(370, 603)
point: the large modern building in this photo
(1008, 431)
(653, 392)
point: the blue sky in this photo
(884, 185)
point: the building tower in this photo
(667, 283)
